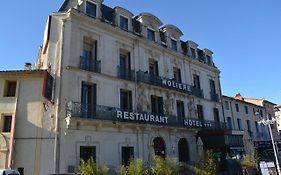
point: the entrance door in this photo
(183, 150)
(159, 147)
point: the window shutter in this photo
(48, 86)
(130, 101)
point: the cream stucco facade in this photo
(26, 138)
(124, 86)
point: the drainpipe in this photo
(57, 128)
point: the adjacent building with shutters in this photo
(26, 138)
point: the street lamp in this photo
(269, 122)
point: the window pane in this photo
(123, 23)
(86, 152)
(7, 123)
(150, 35)
(174, 44)
(91, 9)
(127, 154)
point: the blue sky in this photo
(245, 36)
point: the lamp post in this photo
(268, 122)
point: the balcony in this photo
(168, 83)
(89, 64)
(214, 97)
(126, 74)
(98, 112)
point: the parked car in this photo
(9, 172)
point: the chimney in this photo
(239, 97)
(27, 66)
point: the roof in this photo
(22, 72)
(232, 98)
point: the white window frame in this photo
(174, 39)
(85, 8)
(128, 29)
(149, 28)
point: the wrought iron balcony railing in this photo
(126, 74)
(168, 83)
(99, 112)
(214, 97)
(90, 65)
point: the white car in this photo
(9, 172)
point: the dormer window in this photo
(193, 53)
(91, 9)
(209, 61)
(124, 23)
(174, 44)
(150, 34)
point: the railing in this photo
(90, 65)
(126, 74)
(99, 112)
(214, 97)
(163, 82)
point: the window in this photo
(86, 152)
(126, 100)
(254, 111)
(237, 107)
(193, 53)
(226, 105)
(208, 59)
(216, 115)
(180, 109)
(153, 67)
(150, 35)
(124, 23)
(177, 74)
(212, 87)
(157, 104)
(91, 9)
(88, 100)
(196, 81)
(261, 113)
(257, 129)
(7, 123)
(89, 55)
(200, 112)
(174, 45)
(239, 123)
(248, 125)
(125, 65)
(246, 110)
(10, 89)
(229, 122)
(127, 154)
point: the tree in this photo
(208, 165)
(135, 167)
(167, 166)
(89, 168)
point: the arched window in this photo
(159, 147)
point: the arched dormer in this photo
(171, 36)
(123, 18)
(150, 26)
(209, 56)
(91, 8)
(192, 49)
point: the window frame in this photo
(126, 18)
(7, 88)
(174, 41)
(96, 10)
(154, 34)
(4, 127)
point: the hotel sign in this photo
(175, 85)
(158, 119)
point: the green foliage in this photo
(89, 168)
(208, 165)
(167, 166)
(135, 167)
(251, 160)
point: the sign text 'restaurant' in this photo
(141, 117)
